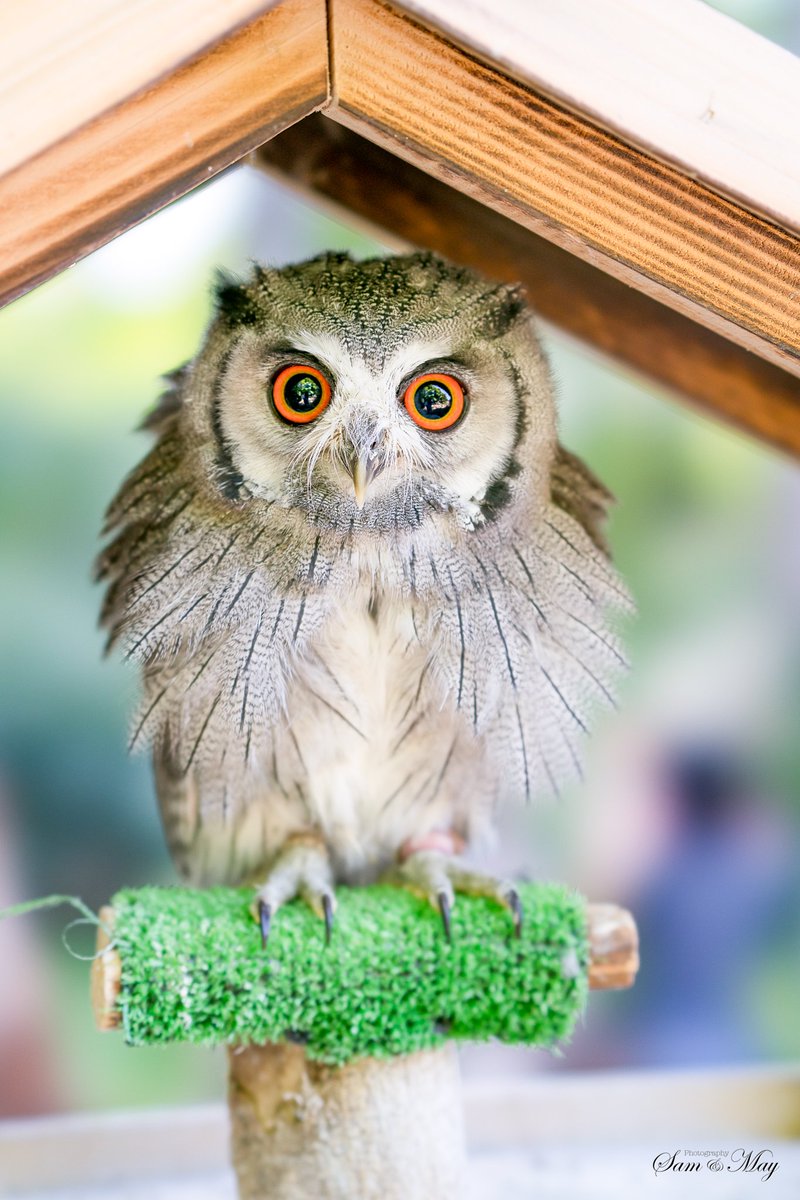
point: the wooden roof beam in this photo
(679, 80)
(402, 206)
(61, 65)
(580, 123)
(489, 129)
(139, 151)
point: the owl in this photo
(367, 589)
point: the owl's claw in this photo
(438, 876)
(327, 908)
(264, 919)
(513, 901)
(300, 868)
(445, 909)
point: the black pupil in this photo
(433, 400)
(302, 393)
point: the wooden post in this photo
(388, 1129)
(404, 207)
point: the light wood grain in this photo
(371, 1129)
(679, 79)
(560, 175)
(62, 65)
(402, 206)
(624, 1107)
(613, 947)
(541, 1109)
(106, 974)
(184, 129)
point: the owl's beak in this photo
(364, 467)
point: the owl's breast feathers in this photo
(505, 642)
(367, 670)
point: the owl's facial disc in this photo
(317, 424)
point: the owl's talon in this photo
(301, 868)
(264, 920)
(445, 909)
(328, 910)
(435, 874)
(513, 901)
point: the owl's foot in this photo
(427, 868)
(302, 868)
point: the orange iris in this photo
(300, 393)
(434, 401)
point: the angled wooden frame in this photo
(652, 211)
(158, 143)
(403, 206)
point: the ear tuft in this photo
(509, 305)
(234, 303)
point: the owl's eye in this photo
(300, 393)
(434, 401)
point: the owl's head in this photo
(364, 392)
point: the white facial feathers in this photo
(366, 417)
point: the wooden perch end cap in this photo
(106, 975)
(613, 947)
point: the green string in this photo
(87, 918)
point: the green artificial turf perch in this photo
(193, 970)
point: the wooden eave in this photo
(635, 164)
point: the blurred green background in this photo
(690, 805)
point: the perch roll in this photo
(189, 966)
